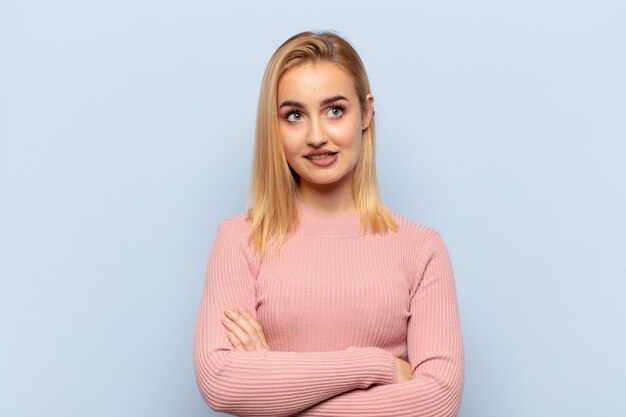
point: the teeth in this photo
(320, 156)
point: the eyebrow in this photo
(291, 103)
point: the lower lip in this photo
(324, 162)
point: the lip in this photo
(318, 152)
(324, 162)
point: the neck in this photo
(328, 199)
(328, 225)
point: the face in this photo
(320, 113)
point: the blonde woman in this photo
(320, 300)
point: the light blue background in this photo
(126, 136)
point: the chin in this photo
(321, 181)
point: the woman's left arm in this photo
(435, 349)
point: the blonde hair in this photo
(271, 206)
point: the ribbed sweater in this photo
(336, 307)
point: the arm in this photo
(266, 383)
(435, 348)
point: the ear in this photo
(368, 110)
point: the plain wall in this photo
(126, 135)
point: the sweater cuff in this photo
(382, 365)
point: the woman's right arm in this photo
(266, 383)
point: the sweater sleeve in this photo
(266, 383)
(435, 350)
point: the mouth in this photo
(321, 156)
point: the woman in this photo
(321, 301)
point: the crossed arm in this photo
(239, 374)
(246, 335)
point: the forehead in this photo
(314, 81)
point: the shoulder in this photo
(233, 230)
(233, 235)
(420, 245)
(418, 240)
(415, 232)
(235, 224)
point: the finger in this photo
(250, 337)
(249, 334)
(256, 325)
(235, 342)
(245, 332)
(244, 340)
(256, 332)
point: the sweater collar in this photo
(324, 224)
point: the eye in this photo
(294, 116)
(336, 111)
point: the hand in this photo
(405, 370)
(244, 332)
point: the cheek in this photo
(347, 134)
(289, 141)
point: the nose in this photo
(316, 136)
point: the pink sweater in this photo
(336, 307)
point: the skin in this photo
(318, 109)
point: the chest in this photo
(339, 288)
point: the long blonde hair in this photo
(271, 206)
